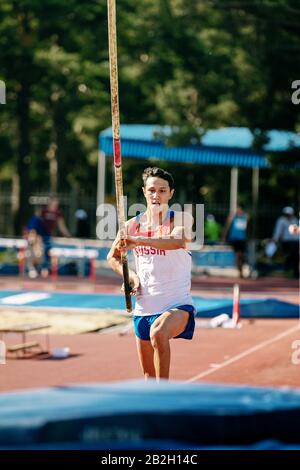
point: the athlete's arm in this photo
(180, 235)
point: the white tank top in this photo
(165, 275)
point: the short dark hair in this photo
(158, 173)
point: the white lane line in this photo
(22, 299)
(244, 353)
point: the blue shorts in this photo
(142, 325)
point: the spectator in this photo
(34, 233)
(288, 239)
(52, 217)
(212, 230)
(44, 224)
(83, 229)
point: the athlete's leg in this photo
(145, 353)
(166, 326)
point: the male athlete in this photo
(162, 282)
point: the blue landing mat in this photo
(250, 308)
(206, 307)
(137, 412)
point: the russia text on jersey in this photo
(147, 250)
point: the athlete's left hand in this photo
(134, 282)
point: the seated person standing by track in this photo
(83, 229)
(162, 281)
(44, 224)
(286, 233)
(33, 233)
(212, 230)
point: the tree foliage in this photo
(199, 64)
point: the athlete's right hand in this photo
(134, 282)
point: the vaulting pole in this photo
(113, 62)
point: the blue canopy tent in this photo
(231, 146)
(223, 147)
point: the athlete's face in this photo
(157, 193)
